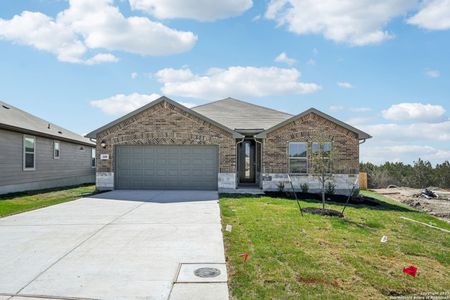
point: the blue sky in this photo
(383, 67)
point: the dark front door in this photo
(247, 162)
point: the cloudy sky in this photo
(382, 66)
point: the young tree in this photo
(321, 159)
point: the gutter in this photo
(45, 135)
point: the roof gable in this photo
(16, 119)
(236, 114)
(361, 134)
(94, 133)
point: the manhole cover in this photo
(207, 272)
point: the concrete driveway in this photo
(116, 245)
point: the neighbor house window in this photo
(29, 152)
(56, 150)
(298, 158)
(93, 162)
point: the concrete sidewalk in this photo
(117, 245)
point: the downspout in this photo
(363, 141)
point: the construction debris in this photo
(432, 200)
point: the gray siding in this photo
(73, 167)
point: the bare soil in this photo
(438, 207)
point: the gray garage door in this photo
(166, 167)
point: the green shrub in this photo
(330, 188)
(280, 186)
(304, 187)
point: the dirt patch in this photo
(438, 207)
(323, 212)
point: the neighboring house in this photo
(36, 154)
(227, 144)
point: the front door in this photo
(247, 162)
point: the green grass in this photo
(316, 257)
(16, 203)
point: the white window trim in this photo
(298, 158)
(95, 158)
(54, 149)
(24, 152)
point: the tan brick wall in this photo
(166, 124)
(345, 144)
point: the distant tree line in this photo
(420, 174)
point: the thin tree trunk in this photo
(323, 195)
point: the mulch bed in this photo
(329, 198)
(323, 212)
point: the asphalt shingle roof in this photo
(236, 114)
(16, 119)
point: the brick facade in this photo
(166, 124)
(305, 129)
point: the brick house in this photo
(226, 145)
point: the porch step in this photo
(242, 190)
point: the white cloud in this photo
(283, 58)
(101, 58)
(433, 73)
(354, 22)
(415, 111)
(336, 107)
(87, 25)
(256, 18)
(201, 10)
(345, 85)
(311, 62)
(434, 15)
(121, 104)
(409, 132)
(42, 32)
(360, 109)
(402, 153)
(235, 81)
(134, 75)
(357, 121)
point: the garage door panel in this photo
(166, 167)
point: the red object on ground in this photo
(411, 270)
(245, 256)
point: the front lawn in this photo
(317, 257)
(20, 202)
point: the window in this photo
(56, 150)
(93, 162)
(315, 147)
(29, 152)
(322, 155)
(298, 158)
(326, 148)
